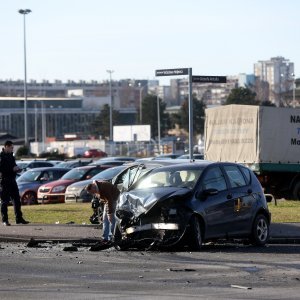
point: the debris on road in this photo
(240, 287)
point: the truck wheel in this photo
(195, 237)
(296, 191)
(260, 231)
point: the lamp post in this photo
(158, 122)
(24, 12)
(110, 106)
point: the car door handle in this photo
(229, 196)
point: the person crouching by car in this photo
(109, 194)
(10, 191)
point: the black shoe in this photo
(6, 223)
(21, 221)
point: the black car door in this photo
(244, 200)
(216, 202)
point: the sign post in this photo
(176, 72)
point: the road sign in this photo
(206, 79)
(171, 72)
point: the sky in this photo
(81, 40)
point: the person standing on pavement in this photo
(108, 193)
(9, 187)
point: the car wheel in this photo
(29, 198)
(260, 231)
(296, 191)
(195, 237)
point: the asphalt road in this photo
(229, 271)
(279, 232)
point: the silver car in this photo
(76, 193)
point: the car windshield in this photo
(175, 177)
(29, 176)
(74, 174)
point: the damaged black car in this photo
(190, 204)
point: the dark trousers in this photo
(9, 192)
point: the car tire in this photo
(29, 198)
(260, 231)
(195, 234)
(296, 191)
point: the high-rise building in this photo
(278, 72)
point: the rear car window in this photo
(235, 176)
(247, 174)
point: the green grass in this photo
(63, 213)
(284, 211)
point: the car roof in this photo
(109, 162)
(123, 158)
(47, 168)
(200, 163)
(190, 164)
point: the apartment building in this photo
(278, 72)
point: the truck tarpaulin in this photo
(252, 134)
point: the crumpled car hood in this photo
(141, 201)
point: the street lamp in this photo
(110, 108)
(24, 12)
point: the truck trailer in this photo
(266, 139)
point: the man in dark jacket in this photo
(10, 191)
(109, 194)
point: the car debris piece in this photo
(181, 270)
(32, 243)
(101, 246)
(240, 287)
(70, 248)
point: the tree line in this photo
(240, 95)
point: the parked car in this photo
(31, 180)
(187, 156)
(94, 153)
(115, 158)
(76, 193)
(31, 164)
(74, 163)
(123, 176)
(108, 162)
(166, 156)
(54, 192)
(188, 204)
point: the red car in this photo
(54, 192)
(94, 153)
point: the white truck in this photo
(266, 139)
